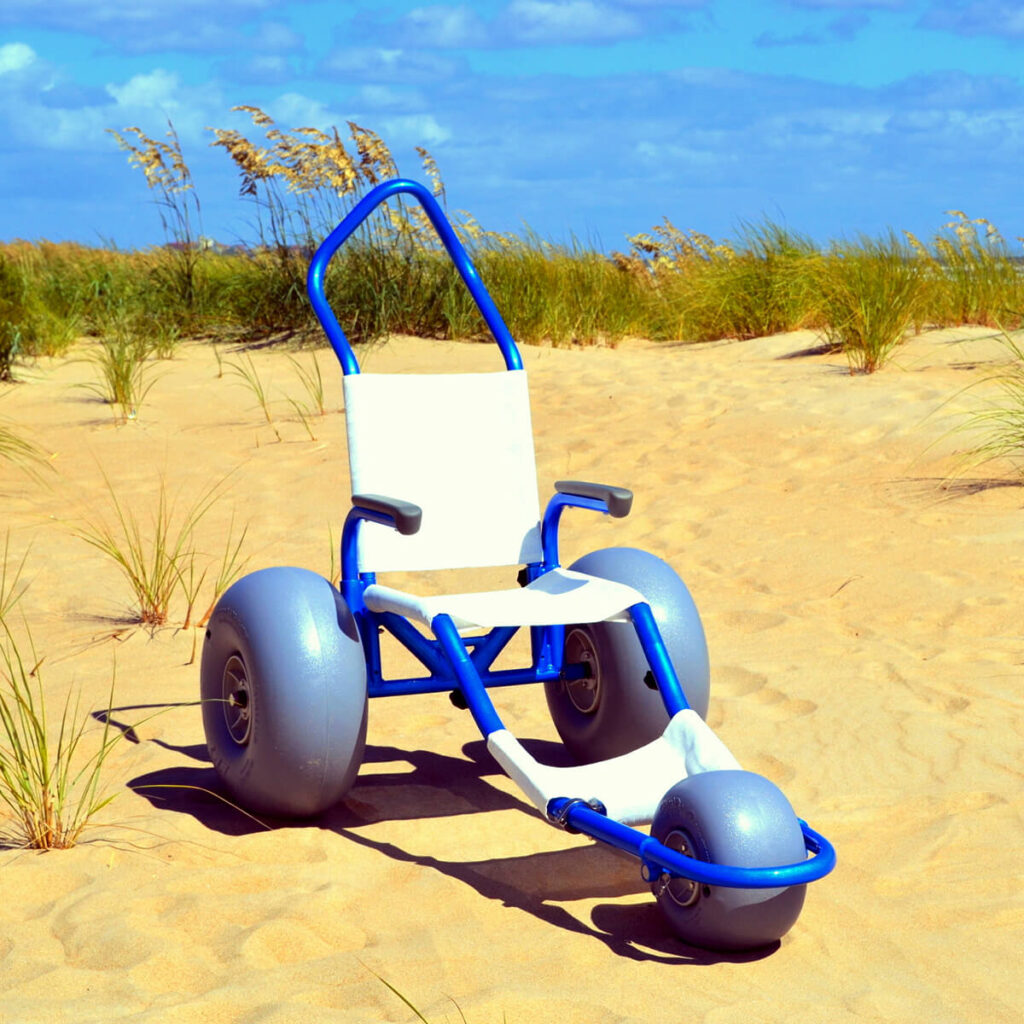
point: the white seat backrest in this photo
(461, 447)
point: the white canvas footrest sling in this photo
(629, 786)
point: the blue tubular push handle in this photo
(458, 254)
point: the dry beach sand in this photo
(865, 634)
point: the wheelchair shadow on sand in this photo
(534, 883)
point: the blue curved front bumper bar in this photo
(657, 857)
(330, 245)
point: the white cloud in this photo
(444, 27)
(276, 37)
(41, 108)
(385, 97)
(96, 15)
(659, 154)
(571, 21)
(414, 130)
(294, 110)
(387, 65)
(15, 57)
(156, 90)
(1001, 18)
(152, 26)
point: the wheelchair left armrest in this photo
(612, 501)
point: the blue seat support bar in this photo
(466, 674)
(658, 658)
(464, 265)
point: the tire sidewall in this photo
(307, 683)
(741, 819)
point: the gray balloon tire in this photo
(289, 739)
(736, 818)
(628, 713)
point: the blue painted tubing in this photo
(557, 504)
(658, 658)
(455, 249)
(468, 678)
(599, 826)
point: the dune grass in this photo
(123, 370)
(998, 420)
(870, 294)
(159, 558)
(15, 448)
(49, 782)
(245, 370)
(393, 277)
(50, 775)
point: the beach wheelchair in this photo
(443, 476)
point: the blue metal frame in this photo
(462, 665)
(383, 192)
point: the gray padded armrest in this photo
(618, 499)
(406, 515)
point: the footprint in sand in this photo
(734, 682)
(752, 622)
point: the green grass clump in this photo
(702, 290)
(158, 559)
(1000, 419)
(971, 275)
(123, 369)
(870, 294)
(50, 782)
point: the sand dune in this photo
(864, 627)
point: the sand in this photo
(864, 629)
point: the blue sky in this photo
(587, 117)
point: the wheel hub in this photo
(683, 891)
(585, 693)
(237, 700)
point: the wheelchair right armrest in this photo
(404, 516)
(617, 500)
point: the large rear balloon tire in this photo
(613, 710)
(735, 818)
(283, 686)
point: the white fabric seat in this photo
(461, 447)
(556, 598)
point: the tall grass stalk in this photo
(49, 782)
(16, 449)
(971, 277)
(305, 416)
(11, 587)
(1000, 420)
(231, 565)
(123, 371)
(246, 370)
(191, 579)
(870, 294)
(312, 382)
(152, 560)
(170, 180)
